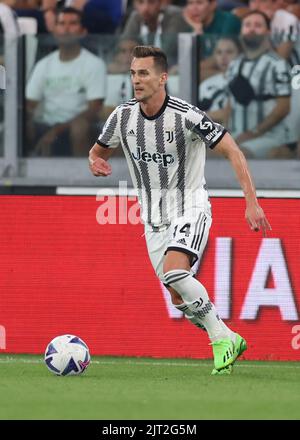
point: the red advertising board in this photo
(62, 272)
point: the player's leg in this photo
(195, 297)
(187, 242)
(194, 319)
(179, 276)
(157, 243)
(178, 302)
(239, 343)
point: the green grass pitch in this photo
(149, 389)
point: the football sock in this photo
(196, 298)
(189, 315)
(199, 323)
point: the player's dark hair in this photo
(160, 58)
(262, 14)
(70, 10)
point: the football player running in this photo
(164, 141)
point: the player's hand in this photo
(256, 219)
(100, 167)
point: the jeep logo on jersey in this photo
(159, 158)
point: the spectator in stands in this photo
(8, 22)
(122, 56)
(204, 17)
(259, 92)
(8, 26)
(93, 8)
(119, 87)
(34, 9)
(213, 90)
(65, 92)
(285, 26)
(99, 16)
(228, 5)
(156, 25)
(10, 30)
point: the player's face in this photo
(224, 53)
(146, 79)
(148, 9)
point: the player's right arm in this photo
(98, 157)
(101, 151)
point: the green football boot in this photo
(223, 354)
(238, 349)
(223, 371)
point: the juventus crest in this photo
(170, 136)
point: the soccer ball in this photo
(67, 355)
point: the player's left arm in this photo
(254, 214)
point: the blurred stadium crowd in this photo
(79, 53)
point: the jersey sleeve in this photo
(204, 128)
(110, 135)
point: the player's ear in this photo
(163, 78)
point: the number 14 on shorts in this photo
(185, 229)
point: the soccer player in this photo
(164, 141)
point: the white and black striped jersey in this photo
(212, 93)
(269, 77)
(285, 26)
(294, 58)
(165, 155)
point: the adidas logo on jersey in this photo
(182, 241)
(160, 158)
(131, 133)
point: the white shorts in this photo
(183, 234)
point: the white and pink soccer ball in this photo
(67, 355)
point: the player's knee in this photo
(175, 260)
(172, 277)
